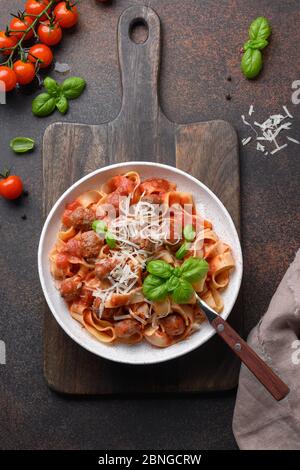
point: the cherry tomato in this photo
(8, 77)
(42, 52)
(19, 25)
(49, 34)
(35, 7)
(11, 187)
(7, 41)
(66, 14)
(25, 72)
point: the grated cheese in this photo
(138, 221)
(269, 131)
(246, 141)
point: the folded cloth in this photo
(260, 422)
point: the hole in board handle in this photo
(138, 31)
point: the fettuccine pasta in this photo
(100, 271)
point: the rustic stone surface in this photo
(200, 49)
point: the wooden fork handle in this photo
(248, 356)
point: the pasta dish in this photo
(130, 258)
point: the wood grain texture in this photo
(208, 151)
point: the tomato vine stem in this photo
(25, 32)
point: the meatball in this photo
(73, 247)
(82, 218)
(91, 244)
(173, 324)
(127, 328)
(70, 288)
(107, 314)
(104, 267)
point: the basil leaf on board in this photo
(62, 104)
(52, 86)
(160, 269)
(260, 28)
(189, 233)
(110, 240)
(255, 44)
(194, 269)
(73, 87)
(172, 283)
(154, 289)
(183, 292)
(251, 63)
(43, 105)
(99, 226)
(22, 144)
(183, 250)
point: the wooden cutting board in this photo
(208, 151)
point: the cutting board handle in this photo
(139, 63)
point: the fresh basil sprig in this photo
(22, 144)
(43, 105)
(57, 96)
(165, 280)
(100, 227)
(252, 63)
(260, 28)
(189, 235)
(183, 250)
(259, 33)
(73, 87)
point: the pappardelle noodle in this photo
(130, 257)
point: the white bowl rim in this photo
(174, 354)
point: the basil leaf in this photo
(260, 28)
(62, 104)
(183, 250)
(99, 226)
(160, 268)
(73, 87)
(172, 283)
(177, 271)
(189, 233)
(183, 292)
(52, 86)
(22, 144)
(110, 240)
(194, 269)
(43, 105)
(154, 289)
(251, 63)
(255, 44)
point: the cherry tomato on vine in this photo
(25, 72)
(8, 77)
(49, 33)
(7, 41)
(66, 14)
(35, 7)
(11, 187)
(19, 25)
(42, 52)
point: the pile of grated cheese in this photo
(133, 221)
(267, 133)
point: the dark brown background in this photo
(201, 39)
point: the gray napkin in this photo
(259, 421)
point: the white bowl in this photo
(142, 353)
